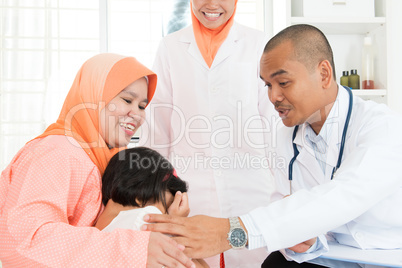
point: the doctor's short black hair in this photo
(139, 175)
(310, 44)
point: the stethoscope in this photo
(345, 129)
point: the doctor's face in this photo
(124, 114)
(292, 88)
(213, 13)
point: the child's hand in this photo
(179, 207)
(200, 263)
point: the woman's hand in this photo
(180, 206)
(165, 252)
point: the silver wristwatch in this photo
(237, 236)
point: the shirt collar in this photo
(325, 132)
(333, 125)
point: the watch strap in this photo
(234, 223)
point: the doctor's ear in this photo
(326, 73)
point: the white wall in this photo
(394, 25)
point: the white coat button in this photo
(215, 89)
(218, 173)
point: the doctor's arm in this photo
(359, 185)
(307, 250)
(367, 176)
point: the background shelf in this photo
(342, 25)
(369, 92)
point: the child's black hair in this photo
(139, 174)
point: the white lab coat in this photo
(215, 124)
(361, 206)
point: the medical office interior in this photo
(44, 42)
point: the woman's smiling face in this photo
(124, 114)
(213, 13)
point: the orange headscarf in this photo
(98, 81)
(209, 40)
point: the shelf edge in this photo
(369, 92)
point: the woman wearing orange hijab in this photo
(50, 194)
(208, 116)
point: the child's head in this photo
(138, 177)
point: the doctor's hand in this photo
(203, 236)
(304, 246)
(180, 206)
(165, 252)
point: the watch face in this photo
(238, 237)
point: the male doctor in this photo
(347, 191)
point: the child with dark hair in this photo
(136, 182)
(140, 181)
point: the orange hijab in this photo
(98, 81)
(209, 40)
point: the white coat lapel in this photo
(333, 149)
(226, 49)
(188, 37)
(195, 52)
(228, 46)
(311, 171)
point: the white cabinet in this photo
(345, 35)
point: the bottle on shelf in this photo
(367, 74)
(345, 79)
(354, 79)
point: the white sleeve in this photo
(320, 247)
(254, 236)
(361, 183)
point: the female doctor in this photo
(208, 115)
